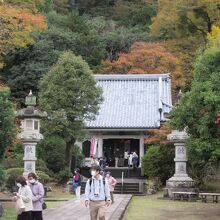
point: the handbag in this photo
(44, 205)
(19, 206)
(75, 185)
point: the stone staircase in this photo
(133, 183)
(116, 172)
(125, 188)
(128, 172)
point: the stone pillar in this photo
(141, 149)
(30, 131)
(100, 147)
(29, 157)
(30, 140)
(180, 181)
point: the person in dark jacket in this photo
(77, 184)
(101, 163)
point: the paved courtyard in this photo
(71, 210)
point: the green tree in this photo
(52, 150)
(158, 162)
(95, 40)
(7, 120)
(69, 93)
(2, 176)
(198, 109)
(132, 13)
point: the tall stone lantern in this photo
(30, 131)
(180, 181)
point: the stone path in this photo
(71, 210)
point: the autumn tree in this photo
(146, 58)
(16, 26)
(184, 25)
(94, 39)
(183, 18)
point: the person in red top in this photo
(77, 184)
(111, 182)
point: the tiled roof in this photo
(132, 101)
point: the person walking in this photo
(135, 160)
(77, 184)
(37, 196)
(97, 194)
(24, 193)
(111, 182)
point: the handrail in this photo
(122, 182)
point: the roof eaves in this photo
(131, 76)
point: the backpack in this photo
(103, 180)
(90, 182)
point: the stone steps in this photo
(127, 188)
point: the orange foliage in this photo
(16, 24)
(158, 135)
(217, 121)
(148, 58)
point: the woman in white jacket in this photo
(24, 192)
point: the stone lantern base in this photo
(179, 184)
(180, 181)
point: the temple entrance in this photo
(114, 149)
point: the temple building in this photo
(132, 105)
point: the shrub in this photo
(14, 161)
(52, 150)
(77, 152)
(63, 176)
(2, 176)
(153, 185)
(13, 173)
(42, 166)
(158, 162)
(43, 177)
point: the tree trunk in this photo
(69, 146)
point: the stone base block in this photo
(179, 184)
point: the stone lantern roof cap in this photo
(177, 136)
(30, 111)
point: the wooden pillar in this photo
(141, 148)
(100, 147)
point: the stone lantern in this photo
(180, 181)
(30, 131)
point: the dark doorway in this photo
(86, 148)
(113, 148)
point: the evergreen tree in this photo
(198, 110)
(7, 120)
(68, 92)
